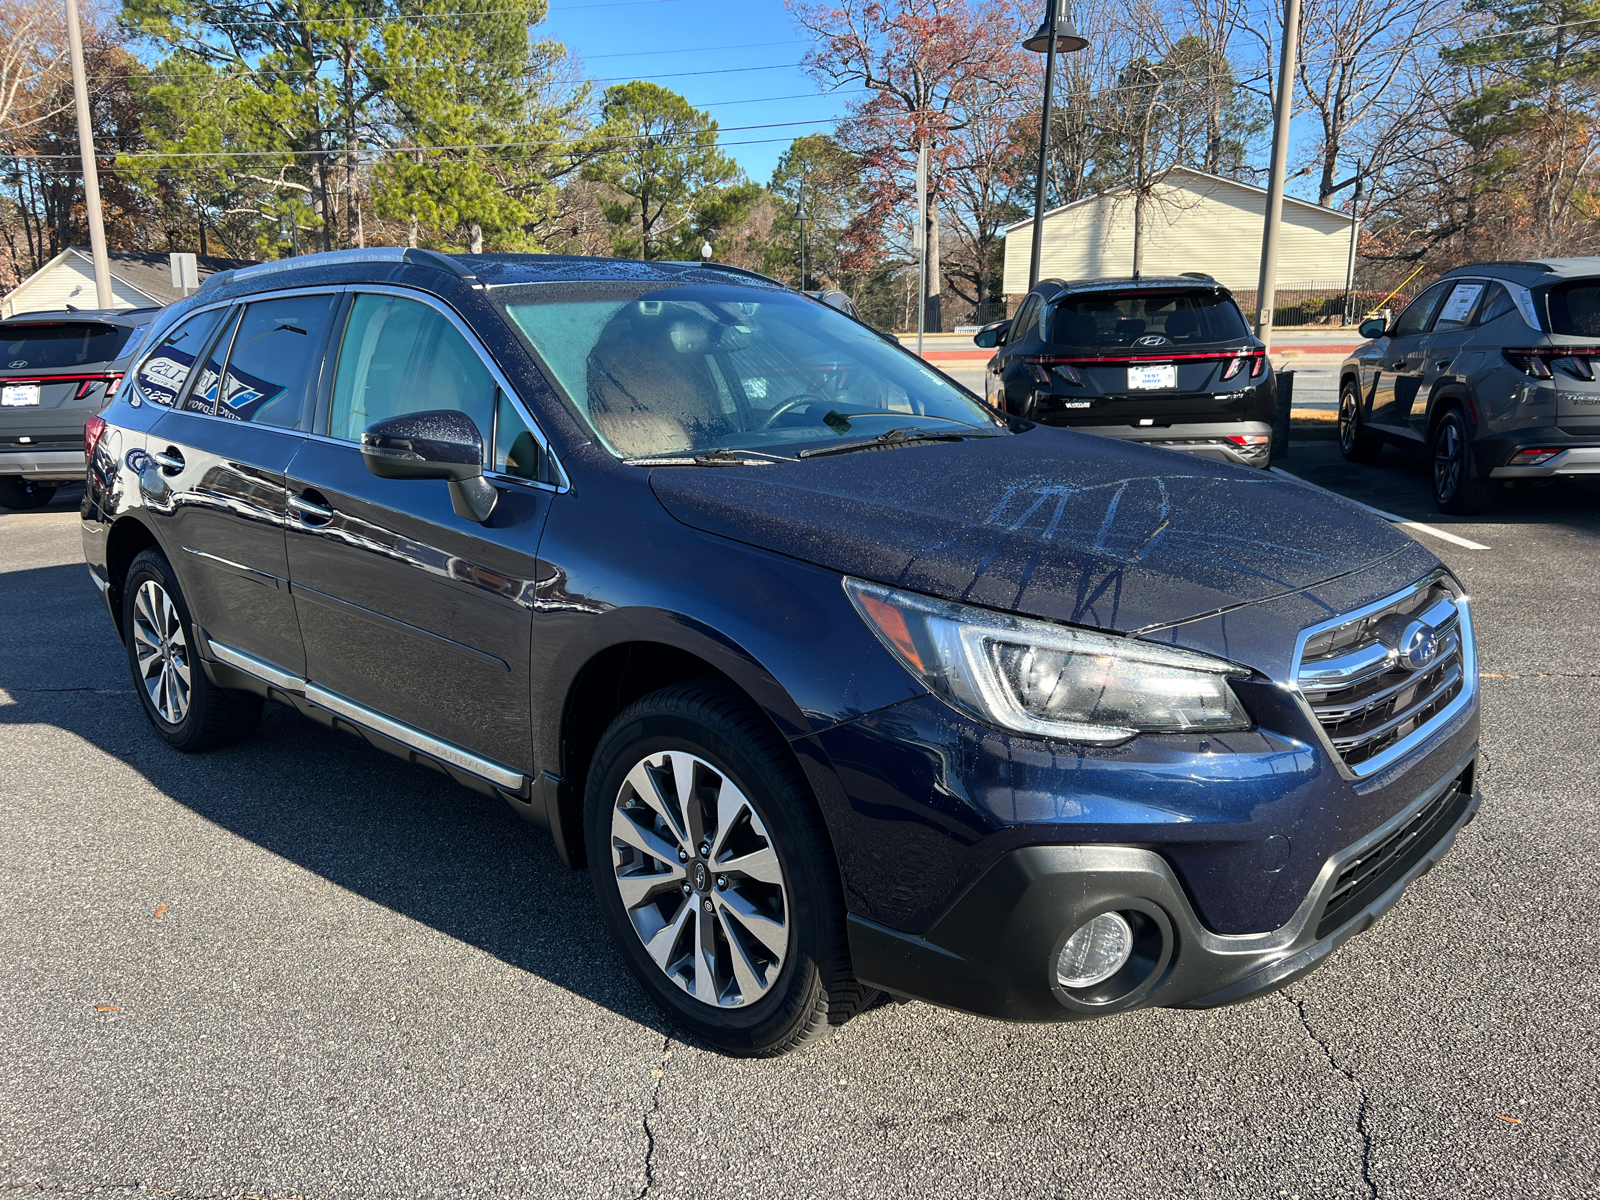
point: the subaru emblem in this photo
(1419, 646)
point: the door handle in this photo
(310, 511)
(1398, 364)
(1441, 365)
(169, 460)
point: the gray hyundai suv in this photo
(1490, 372)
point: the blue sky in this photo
(704, 50)
(741, 63)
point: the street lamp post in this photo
(800, 219)
(1055, 35)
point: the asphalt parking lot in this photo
(299, 967)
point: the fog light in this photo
(1096, 952)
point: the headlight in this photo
(1046, 679)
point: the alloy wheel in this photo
(1347, 422)
(1447, 460)
(161, 652)
(700, 879)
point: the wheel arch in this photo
(1450, 397)
(615, 675)
(128, 537)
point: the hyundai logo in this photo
(1150, 339)
(1419, 646)
(17, 362)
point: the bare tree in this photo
(32, 64)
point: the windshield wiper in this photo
(893, 437)
(722, 456)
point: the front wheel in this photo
(714, 874)
(1457, 489)
(189, 711)
(1355, 443)
(22, 494)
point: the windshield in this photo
(1113, 321)
(45, 347)
(1575, 309)
(686, 368)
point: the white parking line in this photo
(1378, 512)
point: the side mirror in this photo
(1375, 328)
(441, 444)
(992, 335)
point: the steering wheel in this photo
(792, 403)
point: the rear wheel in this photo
(19, 493)
(1457, 488)
(714, 873)
(1355, 443)
(189, 711)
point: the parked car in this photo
(57, 369)
(1165, 361)
(835, 679)
(1490, 372)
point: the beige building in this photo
(1194, 222)
(139, 279)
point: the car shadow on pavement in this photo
(398, 835)
(1399, 483)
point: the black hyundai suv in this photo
(1166, 361)
(1490, 373)
(835, 679)
(57, 369)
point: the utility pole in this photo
(1266, 289)
(91, 175)
(1036, 249)
(922, 242)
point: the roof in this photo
(111, 316)
(1181, 171)
(1530, 271)
(148, 273)
(486, 270)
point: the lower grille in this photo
(1376, 869)
(1374, 680)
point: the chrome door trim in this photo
(495, 773)
(249, 572)
(251, 665)
(487, 769)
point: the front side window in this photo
(516, 451)
(400, 356)
(1575, 309)
(1419, 313)
(274, 356)
(162, 374)
(1130, 320)
(52, 345)
(658, 369)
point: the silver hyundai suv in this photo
(1490, 372)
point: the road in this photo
(299, 967)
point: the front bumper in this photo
(1208, 439)
(64, 465)
(994, 952)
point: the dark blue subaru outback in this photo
(836, 680)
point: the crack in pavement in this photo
(1361, 1094)
(655, 1106)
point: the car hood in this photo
(1052, 523)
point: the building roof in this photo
(1175, 173)
(146, 273)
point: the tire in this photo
(1457, 487)
(22, 494)
(766, 898)
(187, 710)
(1355, 443)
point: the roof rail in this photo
(733, 270)
(374, 254)
(1531, 264)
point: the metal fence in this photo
(1319, 304)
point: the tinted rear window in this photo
(64, 344)
(1113, 321)
(1575, 309)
